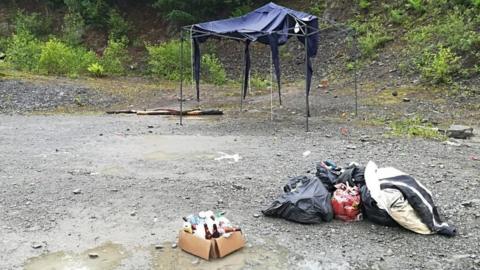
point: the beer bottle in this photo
(215, 233)
(208, 234)
(232, 229)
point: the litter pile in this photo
(385, 196)
(209, 235)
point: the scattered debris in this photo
(235, 157)
(459, 132)
(256, 215)
(238, 186)
(323, 84)
(162, 111)
(452, 143)
(77, 191)
(470, 203)
(306, 153)
(353, 147)
(121, 111)
(364, 138)
(37, 245)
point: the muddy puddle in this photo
(205, 118)
(109, 257)
(186, 147)
(256, 257)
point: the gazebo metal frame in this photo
(304, 33)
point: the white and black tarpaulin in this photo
(270, 24)
(394, 190)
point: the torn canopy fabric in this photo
(270, 24)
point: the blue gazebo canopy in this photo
(270, 24)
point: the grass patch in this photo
(415, 127)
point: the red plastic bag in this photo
(346, 203)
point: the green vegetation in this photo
(59, 58)
(364, 4)
(182, 12)
(94, 12)
(437, 40)
(96, 70)
(259, 82)
(163, 61)
(373, 35)
(415, 127)
(27, 53)
(416, 5)
(33, 23)
(23, 51)
(440, 38)
(439, 67)
(115, 57)
(73, 28)
(398, 16)
(317, 8)
(213, 70)
(118, 26)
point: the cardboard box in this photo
(210, 249)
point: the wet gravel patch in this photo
(18, 96)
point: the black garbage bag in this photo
(305, 201)
(327, 175)
(371, 211)
(352, 174)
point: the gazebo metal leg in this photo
(307, 105)
(181, 77)
(243, 83)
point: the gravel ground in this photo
(24, 96)
(72, 183)
(135, 183)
